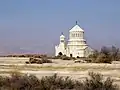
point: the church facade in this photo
(76, 45)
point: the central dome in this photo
(76, 28)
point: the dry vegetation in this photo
(27, 55)
(106, 55)
(38, 60)
(63, 57)
(19, 81)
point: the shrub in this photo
(27, 55)
(27, 62)
(33, 60)
(30, 82)
(38, 60)
(106, 55)
(64, 57)
(45, 60)
(97, 82)
(102, 58)
(55, 82)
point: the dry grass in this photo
(19, 81)
(74, 70)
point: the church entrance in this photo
(60, 54)
(71, 55)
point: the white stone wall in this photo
(61, 49)
(76, 44)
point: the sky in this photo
(34, 26)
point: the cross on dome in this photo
(76, 22)
(62, 33)
(76, 28)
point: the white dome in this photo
(62, 36)
(76, 28)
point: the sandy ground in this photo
(61, 67)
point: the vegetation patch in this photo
(38, 61)
(106, 55)
(30, 82)
(63, 57)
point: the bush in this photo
(21, 82)
(38, 61)
(106, 55)
(102, 58)
(64, 57)
(30, 82)
(45, 60)
(27, 55)
(27, 62)
(55, 82)
(97, 82)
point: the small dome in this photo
(76, 28)
(62, 36)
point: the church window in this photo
(62, 40)
(76, 34)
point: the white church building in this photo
(76, 45)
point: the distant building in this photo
(76, 45)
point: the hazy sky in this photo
(35, 25)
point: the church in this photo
(76, 46)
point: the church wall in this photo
(60, 48)
(76, 43)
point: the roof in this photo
(76, 28)
(62, 36)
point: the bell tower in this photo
(62, 41)
(61, 47)
(62, 38)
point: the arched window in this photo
(76, 34)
